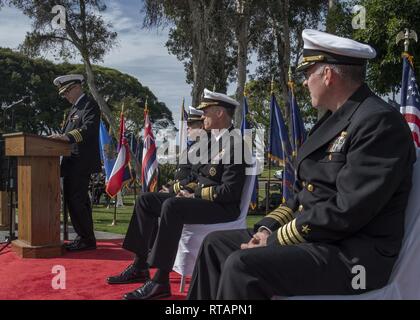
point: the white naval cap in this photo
(63, 82)
(323, 47)
(217, 99)
(194, 114)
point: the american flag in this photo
(410, 99)
(149, 170)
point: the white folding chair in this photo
(193, 234)
(404, 282)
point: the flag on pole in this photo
(245, 125)
(279, 149)
(139, 157)
(121, 167)
(298, 129)
(149, 170)
(108, 150)
(183, 134)
(410, 98)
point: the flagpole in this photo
(406, 35)
(292, 129)
(146, 112)
(114, 220)
(181, 135)
(267, 204)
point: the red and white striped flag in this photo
(117, 177)
(149, 169)
(410, 99)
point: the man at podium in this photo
(81, 129)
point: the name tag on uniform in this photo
(338, 143)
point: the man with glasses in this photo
(347, 212)
(81, 129)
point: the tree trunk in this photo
(283, 55)
(330, 29)
(98, 97)
(242, 37)
(81, 47)
(199, 16)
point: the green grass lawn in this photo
(103, 217)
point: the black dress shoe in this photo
(73, 243)
(130, 275)
(81, 245)
(150, 290)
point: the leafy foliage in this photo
(85, 30)
(22, 76)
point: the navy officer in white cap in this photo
(182, 174)
(347, 211)
(194, 123)
(81, 129)
(211, 195)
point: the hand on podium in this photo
(61, 137)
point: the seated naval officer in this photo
(81, 129)
(132, 273)
(354, 178)
(194, 124)
(212, 195)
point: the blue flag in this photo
(245, 125)
(107, 149)
(279, 149)
(298, 129)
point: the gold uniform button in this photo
(310, 188)
(300, 208)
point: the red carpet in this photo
(31, 279)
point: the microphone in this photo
(24, 99)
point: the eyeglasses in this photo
(62, 94)
(308, 74)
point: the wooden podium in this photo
(39, 202)
(4, 211)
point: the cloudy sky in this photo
(140, 53)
